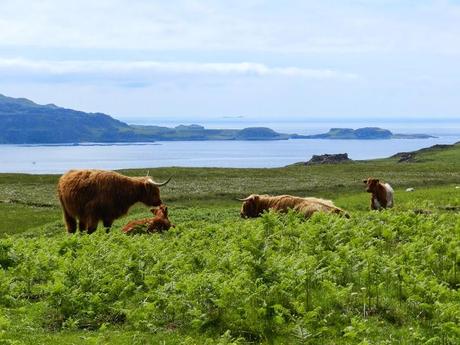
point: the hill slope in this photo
(25, 122)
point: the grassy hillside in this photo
(388, 277)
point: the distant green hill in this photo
(25, 122)
(196, 132)
(362, 133)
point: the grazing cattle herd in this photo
(91, 196)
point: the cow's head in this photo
(151, 193)
(161, 211)
(371, 184)
(250, 208)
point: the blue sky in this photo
(184, 59)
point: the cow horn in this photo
(162, 183)
(245, 199)
(148, 173)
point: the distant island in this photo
(25, 122)
(197, 132)
(365, 133)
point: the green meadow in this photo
(388, 277)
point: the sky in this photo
(149, 60)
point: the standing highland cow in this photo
(94, 195)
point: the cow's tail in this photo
(70, 221)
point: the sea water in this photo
(41, 159)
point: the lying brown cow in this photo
(94, 195)
(255, 204)
(159, 223)
(382, 193)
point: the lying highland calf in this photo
(94, 195)
(382, 193)
(159, 223)
(254, 205)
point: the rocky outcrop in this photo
(328, 159)
(406, 157)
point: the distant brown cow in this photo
(255, 204)
(382, 193)
(94, 195)
(159, 223)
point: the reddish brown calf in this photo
(159, 223)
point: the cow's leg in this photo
(70, 222)
(82, 224)
(107, 224)
(373, 203)
(92, 225)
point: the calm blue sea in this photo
(39, 159)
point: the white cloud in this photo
(149, 70)
(293, 26)
(329, 57)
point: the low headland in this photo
(25, 122)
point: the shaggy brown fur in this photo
(254, 205)
(94, 195)
(159, 223)
(382, 193)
